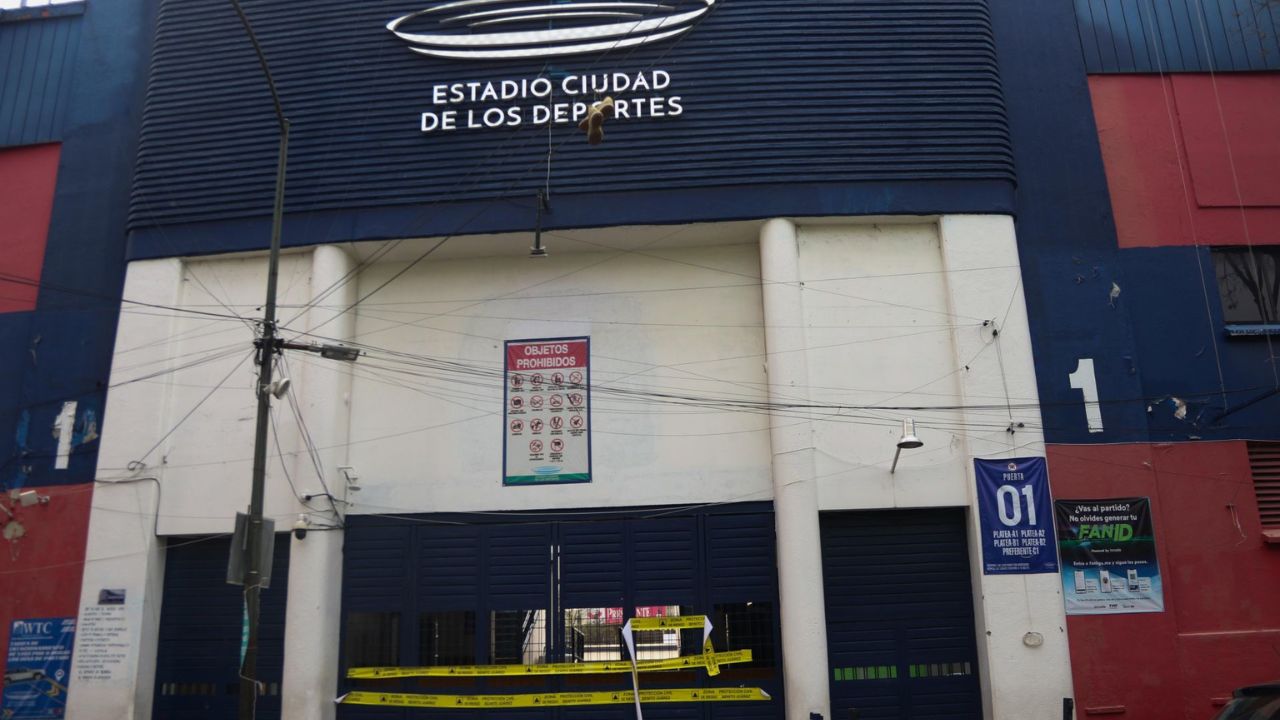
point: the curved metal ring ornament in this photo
(659, 21)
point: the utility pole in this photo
(267, 349)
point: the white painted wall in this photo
(866, 313)
(682, 320)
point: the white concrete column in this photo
(114, 660)
(804, 624)
(980, 256)
(322, 389)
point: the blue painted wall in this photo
(1066, 232)
(821, 107)
(1140, 314)
(1178, 327)
(1147, 36)
(62, 350)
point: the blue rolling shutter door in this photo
(694, 560)
(198, 653)
(900, 626)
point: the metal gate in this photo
(900, 626)
(459, 589)
(201, 620)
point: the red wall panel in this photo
(28, 176)
(40, 572)
(1221, 624)
(1168, 169)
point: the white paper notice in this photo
(103, 644)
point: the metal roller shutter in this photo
(198, 653)
(900, 625)
(525, 582)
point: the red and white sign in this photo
(547, 381)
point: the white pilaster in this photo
(980, 255)
(804, 636)
(322, 389)
(114, 660)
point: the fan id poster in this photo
(547, 411)
(1108, 552)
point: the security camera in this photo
(301, 526)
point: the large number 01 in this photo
(1009, 505)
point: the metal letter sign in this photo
(1017, 517)
(465, 30)
(547, 418)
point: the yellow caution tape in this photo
(563, 699)
(679, 622)
(712, 660)
(708, 660)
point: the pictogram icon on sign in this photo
(517, 403)
(557, 445)
(556, 401)
(576, 422)
(535, 425)
(557, 378)
(517, 382)
(537, 379)
(575, 377)
(575, 399)
(517, 426)
(557, 422)
(535, 446)
(535, 402)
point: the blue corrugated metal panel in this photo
(37, 58)
(740, 556)
(827, 92)
(1142, 36)
(198, 652)
(518, 561)
(377, 566)
(666, 561)
(591, 565)
(898, 595)
(449, 567)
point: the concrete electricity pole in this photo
(268, 346)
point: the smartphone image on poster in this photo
(1133, 579)
(1081, 586)
(1104, 578)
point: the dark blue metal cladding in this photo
(899, 598)
(1071, 273)
(1181, 341)
(91, 103)
(1142, 36)
(37, 60)
(198, 652)
(828, 106)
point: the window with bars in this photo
(372, 639)
(1264, 461)
(1249, 287)
(447, 637)
(518, 637)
